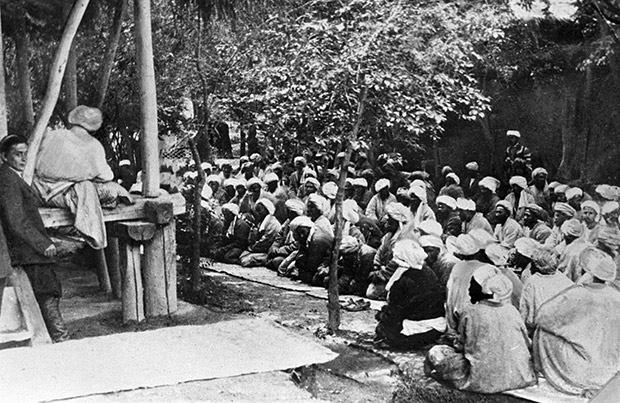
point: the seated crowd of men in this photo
(507, 288)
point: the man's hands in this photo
(50, 251)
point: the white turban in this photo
(573, 192)
(610, 207)
(409, 252)
(572, 228)
(598, 263)
(539, 171)
(398, 212)
(430, 240)
(454, 177)
(560, 189)
(465, 204)
(330, 189)
(490, 183)
(382, 183)
(241, 182)
(418, 191)
(514, 133)
(565, 208)
(213, 179)
(430, 227)
(607, 192)
(205, 166)
(447, 200)
(472, 166)
(301, 221)
(519, 181)
(232, 207)
(320, 202)
(350, 211)
(485, 272)
(255, 181)
(230, 182)
(591, 205)
(526, 246)
(271, 177)
(483, 237)
(499, 286)
(267, 204)
(504, 204)
(466, 245)
(307, 172)
(314, 181)
(497, 253)
(295, 205)
(360, 182)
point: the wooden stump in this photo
(114, 271)
(160, 293)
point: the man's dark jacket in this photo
(25, 233)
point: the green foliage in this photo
(303, 73)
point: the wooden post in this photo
(114, 271)
(133, 303)
(53, 85)
(148, 98)
(102, 271)
(132, 234)
(3, 112)
(22, 59)
(160, 296)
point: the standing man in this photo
(29, 245)
(518, 159)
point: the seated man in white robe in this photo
(72, 172)
(577, 339)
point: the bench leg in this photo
(133, 305)
(160, 293)
(114, 270)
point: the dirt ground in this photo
(361, 373)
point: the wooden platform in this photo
(58, 217)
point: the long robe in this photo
(458, 299)
(492, 355)
(538, 289)
(569, 263)
(577, 342)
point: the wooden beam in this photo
(57, 217)
(159, 273)
(4, 130)
(53, 85)
(148, 98)
(29, 307)
(138, 231)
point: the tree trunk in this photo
(22, 50)
(200, 183)
(110, 53)
(204, 124)
(148, 98)
(3, 112)
(53, 86)
(70, 81)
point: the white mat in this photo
(545, 393)
(263, 275)
(167, 356)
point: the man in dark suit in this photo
(29, 245)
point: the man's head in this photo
(531, 216)
(590, 211)
(263, 208)
(571, 230)
(561, 213)
(271, 180)
(539, 177)
(301, 227)
(294, 208)
(432, 245)
(230, 211)
(14, 150)
(88, 118)
(513, 136)
(382, 187)
(445, 205)
(226, 170)
(503, 210)
(466, 209)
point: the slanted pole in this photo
(3, 115)
(53, 85)
(148, 98)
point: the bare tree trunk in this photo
(22, 50)
(206, 113)
(70, 81)
(110, 52)
(195, 259)
(148, 98)
(53, 86)
(3, 112)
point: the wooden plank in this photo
(57, 217)
(133, 302)
(170, 245)
(29, 307)
(102, 271)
